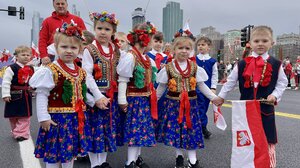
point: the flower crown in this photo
(143, 35)
(184, 33)
(104, 17)
(71, 30)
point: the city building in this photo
(232, 45)
(74, 11)
(138, 16)
(216, 38)
(172, 20)
(36, 24)
(289, 44)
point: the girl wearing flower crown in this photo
(137, 96)
(16, 94)
(100, 60)
(61, 92)
(180, 126)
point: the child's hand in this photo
(123, 107)
(46, 124)
(6, 99)
(102, 103)
(214, 91)
(218, 101)
(271, 99)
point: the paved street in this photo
(216, 153)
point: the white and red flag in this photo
(35, 51)
(218, 118)
(249, 142)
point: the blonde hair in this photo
(58, 37)
(121, 35)
(262, 29)
(182, 39)
(21, 49)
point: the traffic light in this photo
(12, 11)
(22, 13)
(244, 35)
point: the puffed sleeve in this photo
(162, 76)
(43, 81)
(125, 67)
(201, 75)
(88, 66)
(6, 82)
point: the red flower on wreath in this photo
(130, 38)
(144, 38)
(72, 30)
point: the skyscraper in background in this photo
(138, 16)
(36, 24)
(74, 11)
(172, 19)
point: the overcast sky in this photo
(224, 15)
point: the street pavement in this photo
(216, 154)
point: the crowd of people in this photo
(98, 91)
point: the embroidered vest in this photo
(107, 68)
(176, 84)
(55, 99)
(132, 90)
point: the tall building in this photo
(232, 45)
(216, 38)
(74, 11)
(172, 19)
(138, 16)
(289, 44)
(36, 24)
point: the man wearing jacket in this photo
(50, 24)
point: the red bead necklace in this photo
(107, 55)
(146, 62)
(186, 72)
(72, 72)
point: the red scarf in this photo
(158, 59)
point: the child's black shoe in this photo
(196, 165)
(131, 165)
(105, 165)
(140, 163)
(179, 162)
(206, 133)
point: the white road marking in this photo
(26, 151)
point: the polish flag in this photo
(35, 51)
(218, 118)
(249, 142)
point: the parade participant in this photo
(137, 96)
(100, 60)
(156, 53)
(168, 51)
(181, 126)
(50, 24)
(297, 74)
(122, 42)
(259, 76)
(61, 92)
(17, 94)
(209, 64)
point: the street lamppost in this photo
(12, 11)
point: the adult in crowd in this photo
(221, 70)
(297, 69)
(288, 70)
(51, 23)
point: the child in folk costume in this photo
(137, 96)
(100, 60)
(156, 53)
(259, 76)
(122, 42)
(209, 64)
(181, 126)
(61, 92)
(16, 94)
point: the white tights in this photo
(63, 165)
